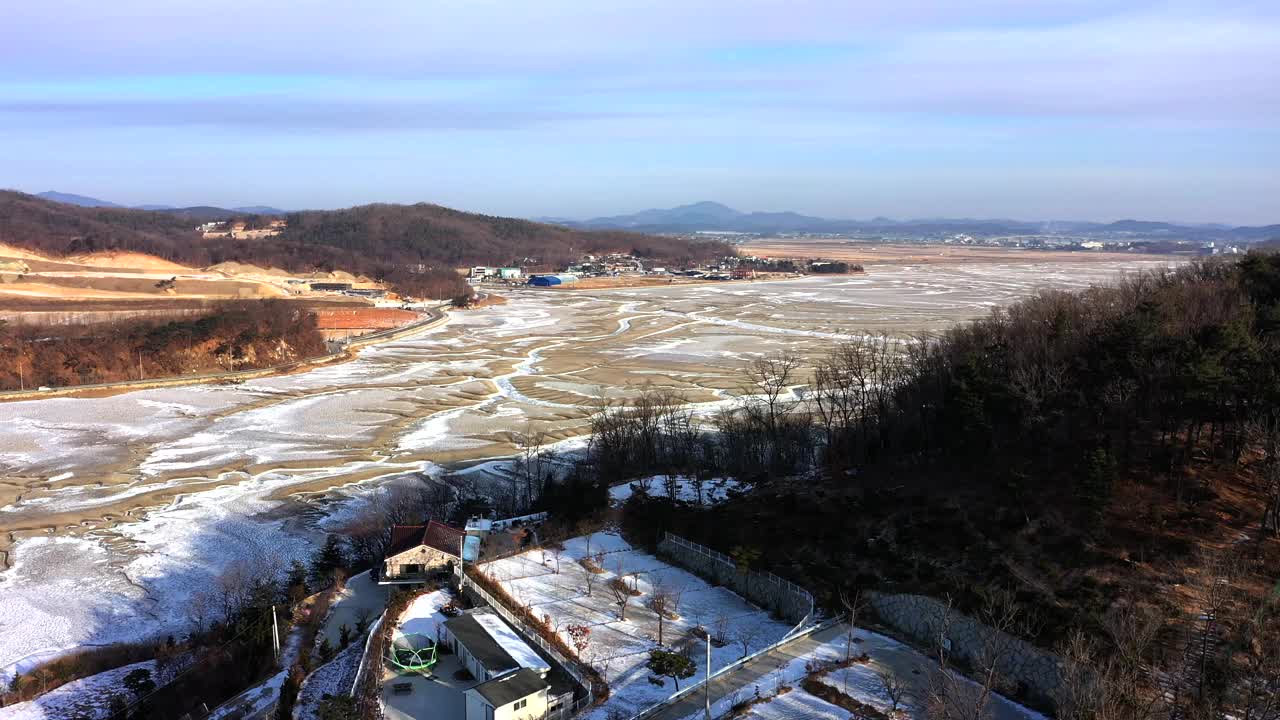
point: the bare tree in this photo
(894, 687)
(671, 483)
(200, 610)
(557, 550)
(853, 606)
(745, 634)
(720, 628)
(1084, 689)
(660, 602)
(675, 594)
(368, 533)
(621, 595)
(529, 462)
(950, 696)
(593, 573)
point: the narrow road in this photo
(361, 598)
(885, 654)
(744, 679)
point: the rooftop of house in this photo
(494, 644)
(434, 534)
(511, 687)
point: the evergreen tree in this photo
(671, 664)
(1095, 485)
(326, 560)
(296, 581)
(139, 682)
(326, 650)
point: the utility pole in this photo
(275, 632)
(706, 684)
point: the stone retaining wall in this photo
(764, 589)
(920, 618)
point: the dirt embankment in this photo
(342, 323)
(136, 277)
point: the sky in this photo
(1079, 109)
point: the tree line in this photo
(240, 335)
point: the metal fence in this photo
(803, 598)
(364, 657)
(569, 664)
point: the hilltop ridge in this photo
(416, 248)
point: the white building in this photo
(488, 647)
(513, 677)
(518, 695)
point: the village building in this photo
(515, 682)
(330, 286)
(514, 696)
(419, 551)
(552, 280)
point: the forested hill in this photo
(1109, 458)
(442, 235)
(414, 247)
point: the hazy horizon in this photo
(622, 212)
(1075, 111)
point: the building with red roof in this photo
(418, 551)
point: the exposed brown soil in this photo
(367, 318)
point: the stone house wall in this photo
(428, 557)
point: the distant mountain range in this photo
(712, 216)
(199, 212)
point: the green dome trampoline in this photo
(412, 653)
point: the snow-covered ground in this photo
(333, 678)
(88, 698)
(713, 491)
(620, 648)
(423, 616)
(859, 681)
(200, 475)
(796, 705)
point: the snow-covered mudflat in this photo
(121, 507)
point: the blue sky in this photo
(1080, 109)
